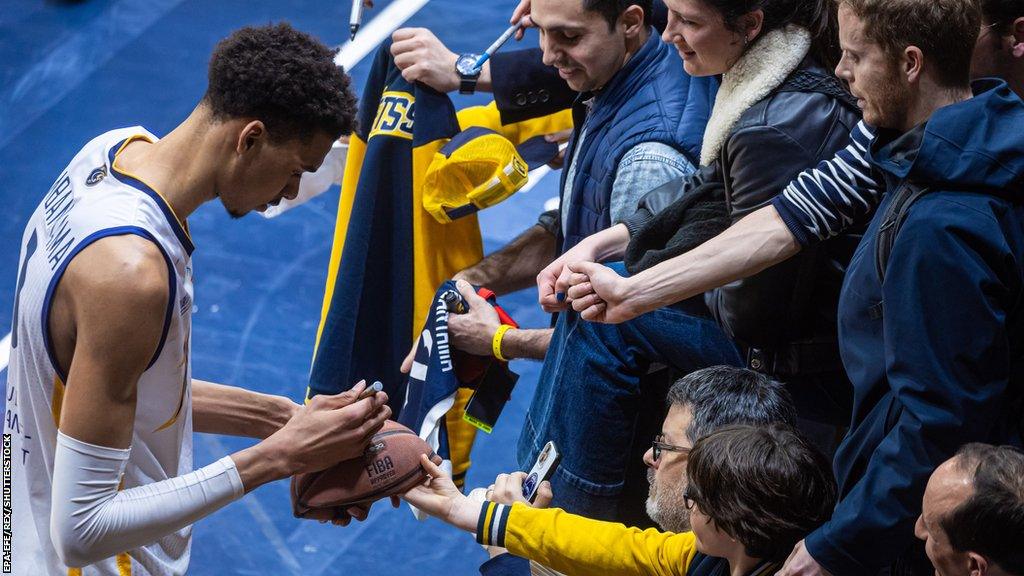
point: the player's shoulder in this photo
(127, 270)
(99, 149)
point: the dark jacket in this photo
(651, 99)
(787, 312)
(936, 350)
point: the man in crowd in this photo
(972, 518)
(930, 320)
(639, 121)
(698, 404)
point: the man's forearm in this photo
(531, 344)
(756, 242)
(516, 265)
(220, 409)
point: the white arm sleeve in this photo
(91, 520)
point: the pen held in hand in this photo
(370, 390)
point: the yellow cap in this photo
(478, 168)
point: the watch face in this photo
(466, 65)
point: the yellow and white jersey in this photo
(92, 199)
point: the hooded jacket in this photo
(935, 351)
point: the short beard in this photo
(666, 506)
(893, 104)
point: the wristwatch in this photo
(468, 73)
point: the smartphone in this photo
(542, 470)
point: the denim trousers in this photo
(590, 400)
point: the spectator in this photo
(751, 492)
(698, 404)
(779, 110)
(638, 120)
(820, 203)
(972, 517)
(931, 327)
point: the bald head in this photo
(973, 513)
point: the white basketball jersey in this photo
(90, 200)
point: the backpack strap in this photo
(895, 214)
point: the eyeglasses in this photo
(658, 446)
(689, 500)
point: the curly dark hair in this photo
(763, 485)
(285, 78)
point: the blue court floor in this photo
(71, 70)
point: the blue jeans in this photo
(589, 397)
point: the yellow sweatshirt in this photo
(580, 546)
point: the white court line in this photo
(372, 34)
(535, 177)
(5, 352)
(377, 31)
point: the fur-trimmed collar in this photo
(760, 70)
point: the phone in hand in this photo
(542, 470)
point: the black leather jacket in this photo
(786, 315)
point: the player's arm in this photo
(221, 409)
(116, 294)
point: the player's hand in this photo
(284, 409)
(599, 294)
(801, 563)
(358, 513)
(423, 58)
(522, 15)
(440, 498)
(330, 429)
(473, 331)
(508, 489)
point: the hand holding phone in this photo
(542, 470)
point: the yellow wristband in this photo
(496, 342)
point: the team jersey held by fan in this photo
(389, 254)
(90, 200)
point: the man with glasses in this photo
(698, 404)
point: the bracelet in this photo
(496, 342)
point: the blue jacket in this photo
(936, 350)
(651, 99)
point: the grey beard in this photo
(666, 507)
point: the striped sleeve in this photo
(490, 527)
(573, 544)
(825, 200)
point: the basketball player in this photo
(102, 403)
